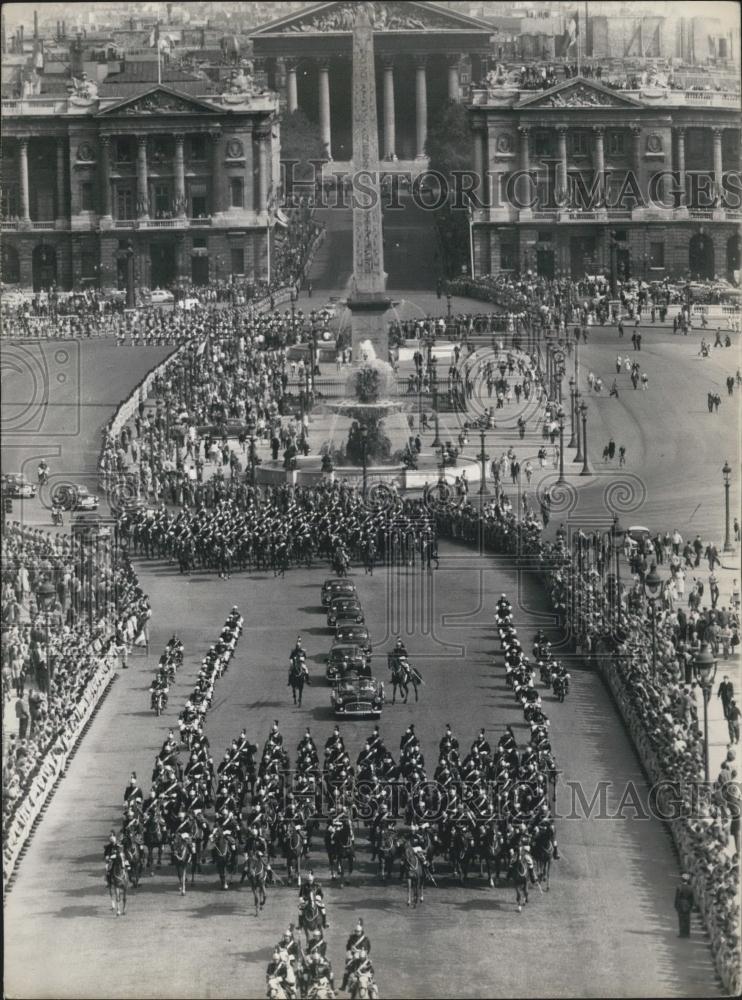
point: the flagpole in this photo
(579, 44)
(159, 61)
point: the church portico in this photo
(419, 49)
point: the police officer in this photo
(684, 902)
(358, 941)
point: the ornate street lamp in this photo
(364, 456)
(652, 591)
(560, 421)
(483, 456)
(704, 670)
(572, 440)
(727, 474)
(586, 470)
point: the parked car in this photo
(160, 296)
(344, 657)
(354, 633)
(345, 608)
(357, 696)
(335, 587)
(17, 487)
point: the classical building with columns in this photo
(640, 183)
(425, 55)
(187, 182)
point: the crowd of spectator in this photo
(71, 611)
(663, 706)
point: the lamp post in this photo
(727, 474)
(586, 470)
(434, 388)
(560, 421)
(364, 457)
(483, 456)
(573, 439)
(704, 670)
(652, 590)
(252, 459)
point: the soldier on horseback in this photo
(310, 893)
(358, 941)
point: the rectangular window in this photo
(238, 260)
(542, 142)
(198, 147)
(237, 189)
(87, 264)
(200, 242)
(544, 237)
(656, 254)
(87, 196)
(9, 203)
(125, 203)
(124, 151)
(507, 257)
(578, 143)
(616, 145)
(163, 206)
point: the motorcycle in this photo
(159, 701)
(57, 519)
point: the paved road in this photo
(610, 899)
(56, 398)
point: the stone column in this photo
(525, 188)
(493, 174)
(421, 106)
(23, 180)
(142, 185)
(599, 162)
(61, 208)
(453, 78)
(390, 124)
(718, 163)
(680, 132)
(292, 90)
(217, 174)
(263, 170)
(479, 185)
(180, 189)
(636, 159)
(325, 125)
(562, 168)
(105, 176)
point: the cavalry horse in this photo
(339, 844)
(117, 878)
(154, 836)
(543, 852)
(518, 871)
(256, 871)
(182, 852)
(489, 846)
(134, 853)
(223, 853)
(403, 675)
(292, 841)
(298, 677)
(386, 850)
(310, 916)
(463, 849)
(413, 870)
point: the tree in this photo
(300, 144)
(449, 147)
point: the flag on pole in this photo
(571, 30)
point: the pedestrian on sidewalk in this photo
(733, 718)
(21, 713)
(684, 901)
(726, 693)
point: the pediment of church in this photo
(578, 93)
(160, 100)
(389, 16)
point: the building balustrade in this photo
(481, 97)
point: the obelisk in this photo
(368, 301)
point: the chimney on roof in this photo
(203, 38)
(64, 29)
(36, 24)
(20, 38)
